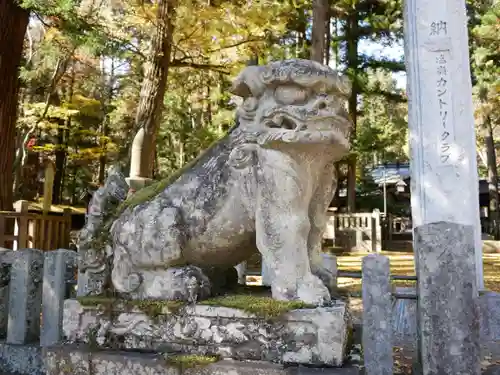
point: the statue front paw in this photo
(312, 290)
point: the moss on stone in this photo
(95, 301)
(152, 308)
(190, 360)
(264, 307)
(261, 306)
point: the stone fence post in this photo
(6, 259)
(330, 263)
(241, 268)
(377, 312)
(25, 297)
(57, 265)
(376, 234)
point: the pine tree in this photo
(13, 23)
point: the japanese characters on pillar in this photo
(443, 95)
(442, 140)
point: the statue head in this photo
(294, 101)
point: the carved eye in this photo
(290, 95)
(322, 105)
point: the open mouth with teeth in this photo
(325, 129)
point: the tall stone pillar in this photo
(444, 179)
(444, 186)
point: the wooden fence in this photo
(368, 231)
(25, 230)
(355, 231)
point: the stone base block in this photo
(313, 336)
(75, 361)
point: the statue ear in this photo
(248, 83)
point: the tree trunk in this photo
(60, 162)
(150, 106)
(492, 178)
(13, 23)
(319, 30)
(352, 66)
(328, 41)
(104, 128)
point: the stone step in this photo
(66, 360)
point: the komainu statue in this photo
(264, 187)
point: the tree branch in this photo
(236, 44)
(181, 63)
(392, 96)
(59, 71)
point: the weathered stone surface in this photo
(93, 265)
(25, 297)
(330, 263)
(264, 187)
(377, 311)
(75, 361)
(21, 360)
(404, 321)
(448, 305)
(490, 316)
(6, 259)
(309, 336)
(55, 273)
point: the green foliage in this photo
(382, 134)
(86, 60)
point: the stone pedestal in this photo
(448, 308)
(69, 360)
(317, 336)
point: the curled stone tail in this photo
(95, 235)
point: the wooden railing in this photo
(356, 231)
(24, 230)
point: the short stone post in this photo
(55, 271)
(25, 297)
(242, 273)
(377, 311)
(330, 263)
(376, 234)
(6, 257)
(448, 311)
